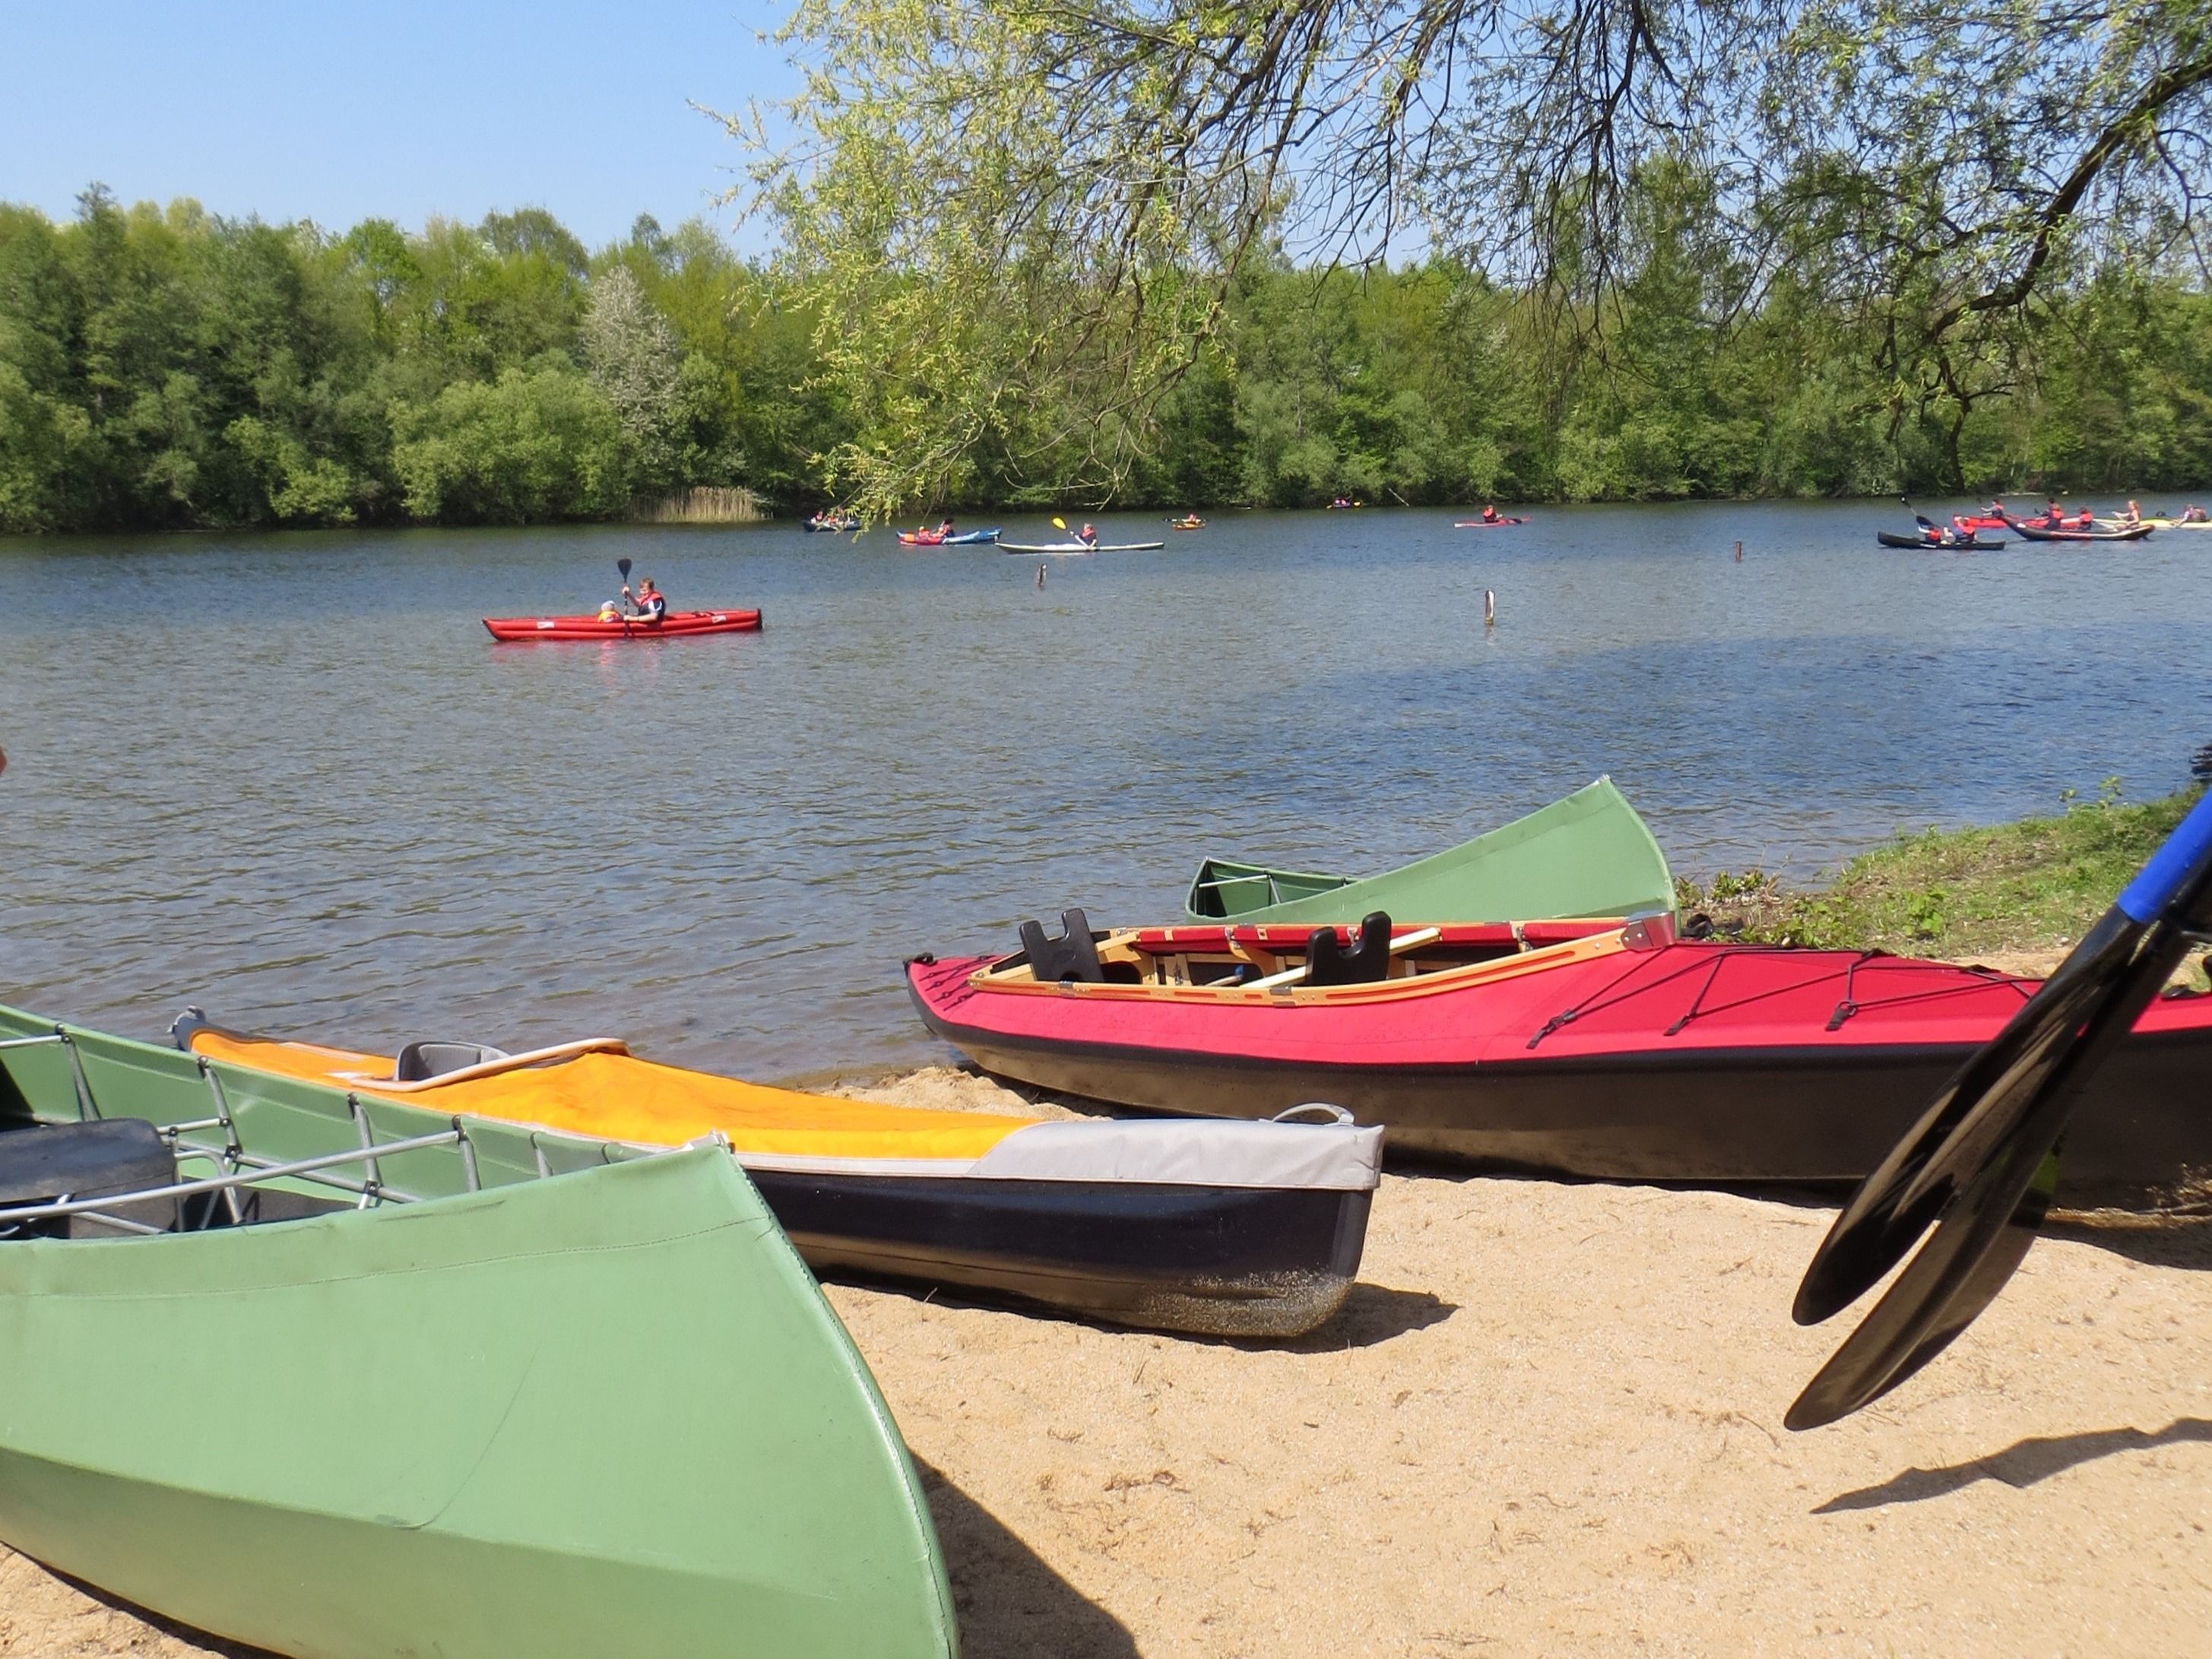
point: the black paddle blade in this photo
(622, 565)
(1957, 1274)
(1981, 1155)
(1894, 1205)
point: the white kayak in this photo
(1079, 547)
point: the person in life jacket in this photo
(1489, 514)
(649, 604)
(1088, 535)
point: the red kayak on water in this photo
(1557, 1046)
(632, 628)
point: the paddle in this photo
(622, 565)
(1924, 522)
(1981, 1163)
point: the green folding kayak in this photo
(1589, 854)
(338, 1376)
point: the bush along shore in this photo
(169, 368)
(2014, 895)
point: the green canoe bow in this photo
(570, 1415)
(1589, 854)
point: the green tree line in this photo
(171, 369)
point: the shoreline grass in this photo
(2027, 887)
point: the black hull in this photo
(1716, 1116)
(1221, 1261)
(1890, 538)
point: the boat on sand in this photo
(1229, 1229)
(1587, 854)
(364, 1380)
(1563, 1047)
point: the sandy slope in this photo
(1549, 1422)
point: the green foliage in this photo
(545, 445)
(168, 368)
(2033, 886)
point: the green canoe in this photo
(1586, 856)
(488, 1394)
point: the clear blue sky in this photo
(400, 110)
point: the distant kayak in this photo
(1186, 524)
(592, 628)
(1486, 524)
(2036, 532)
(1078, 547)
(832, 527)
(1945, 544)
(930, 539)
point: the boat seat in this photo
(1329, 963)
(419, 1061)
(1072, 955)
(45, 1164)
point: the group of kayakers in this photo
(2055, 516)
(646, 605)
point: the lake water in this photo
(290, 777)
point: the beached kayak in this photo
(1079, 547)
(1621, 1053)
(1228, 1229)
(365, 1379)
(1959, 543)
(675, 624)
(930, 538)
(1589, 854)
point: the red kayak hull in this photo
(1704, 1062)
(675, 624)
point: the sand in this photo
(1549, 1421)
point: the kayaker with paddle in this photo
(1088, 535)
(648, 606)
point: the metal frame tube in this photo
(220, 1183)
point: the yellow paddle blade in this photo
(1060, 524)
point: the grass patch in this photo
(2033, 886)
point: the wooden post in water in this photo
(1489, 608)
(1040, 573)
(1739, 552)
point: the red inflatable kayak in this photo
(592, 628)
(1617, 1055)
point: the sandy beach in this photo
(1548, 1421)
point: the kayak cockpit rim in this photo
(240, 1167)
(1213, 962)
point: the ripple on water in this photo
(288, 776)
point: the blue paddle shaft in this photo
(2185, 852)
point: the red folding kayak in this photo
(592, 628)
(1621, 1053)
